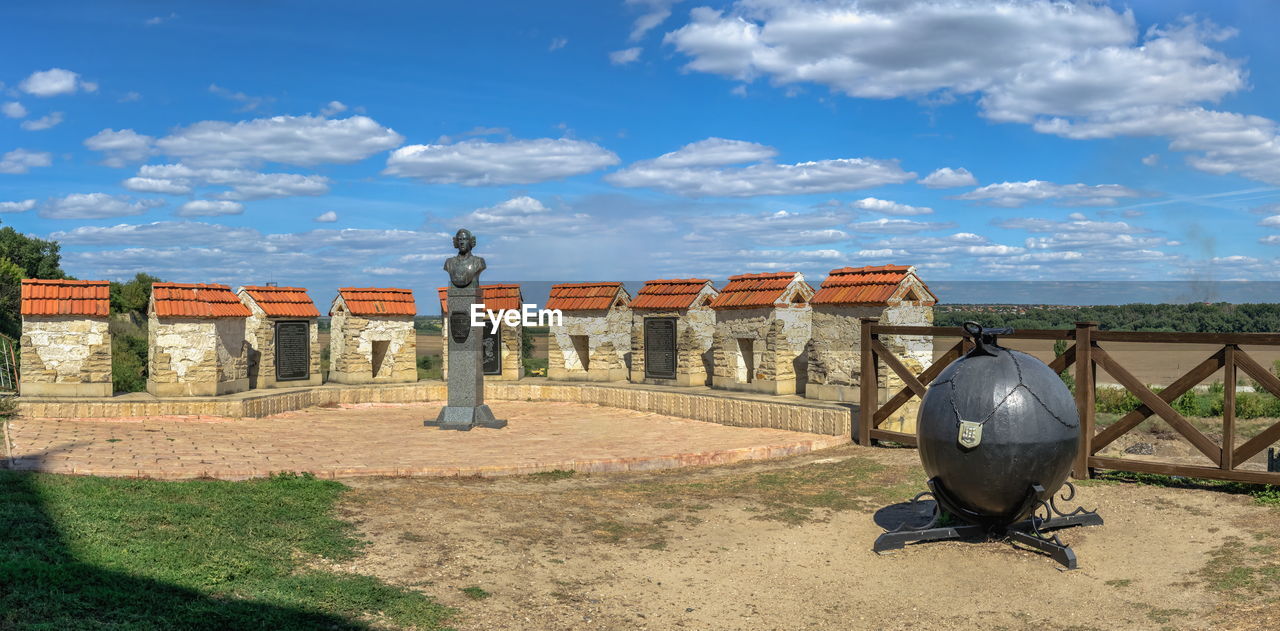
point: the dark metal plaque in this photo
(491, 347)
(293, 350)
(660, 348)
(459, 326)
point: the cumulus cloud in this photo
(326, 217)
(295, 140)
(179, 179)
(55, 81)
(22, 160)
(334, 107)
(17, 207)
(13, 109)
(557, 43)
(624, 56)
(120, 147)
(42, 123)
(160, 19)
(247, 103)
(1018, 194)
(899, 226)
(209, 208)
(1151, 159)
(525, 216)
(157, 185)
(702, 169)
(886, 207)
(780, 228)
(655, 13)
(947, 177)
(95, 206)
(484, 163)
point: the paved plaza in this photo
(390, 440)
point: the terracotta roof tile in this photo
(289, 302)
(746, 291)
(66, 297)
(675, 293)
(196, 300)
(374, 301)
(872, 286)
(499, 297)
(584, 296)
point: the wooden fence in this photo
(1087, 353)
(8, 364)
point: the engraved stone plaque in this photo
(491, 350)
(660, 348)
(459, 326)
(293, 350)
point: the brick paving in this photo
(390, 440)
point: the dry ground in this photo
(786, 544)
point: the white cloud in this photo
(898, 226)
(691, 171)
(21, 160)
(326, 217)
(557, 43)
(247, 103)
(887, 207)
(655, 13)
(130, 97)
(780, 228)
(179, 179)
(120, 147)
(209, 208)
(13, 109)
(17, 207)
(297, 140)
(524, 216)
(55, 81)
(1151, 159)
(158, 232)
(42, 123)
(1018, 194)
(95, 206)
(333, 107)
(624, 56)
(1270, 222)
(160, 19)
(484, 163)
(947, 177)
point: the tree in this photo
(11, 276)
(37, 258)
(132, 296)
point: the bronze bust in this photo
(464, 269)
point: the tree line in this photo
(1218, 317)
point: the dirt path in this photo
(786, 545)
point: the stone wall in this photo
(197, 356)
(260, 333)
(608, 346)
(65, 356)
(351, 348)
(695, 330)
(777, 339)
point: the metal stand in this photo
(1031, 532)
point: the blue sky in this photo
(325, 144)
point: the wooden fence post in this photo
(1085, 395)
(1229, 408)
(868, 382)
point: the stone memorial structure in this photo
(196, 341)
(66, 341)
(283, 337)
(671, 332)
(466, 408)
(893, 293)
(762, 328)
(593, 341)
(501, 351)
(371, 336)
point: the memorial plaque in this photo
(660, 348)
(491, 349)
(293, 350)
(459, 326)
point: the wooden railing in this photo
(1087, 354)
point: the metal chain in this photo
(1018, 367)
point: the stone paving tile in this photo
(375, 439)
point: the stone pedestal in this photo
(466, 408)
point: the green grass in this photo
(475, 593)
(1264, 494)
(98, 553)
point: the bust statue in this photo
(464, 269)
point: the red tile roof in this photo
(375, 301)
(196, 300)
(676, 293)
(872, 286)
(291, 302)
(65, 297)
(583, 296)
(745, 291)
(499, 297)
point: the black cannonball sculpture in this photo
(998, 432)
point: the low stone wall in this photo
(725, 409)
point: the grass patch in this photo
(1119, 582)
(475, 593)
(89, 553)
(553, 475)
(1264, 494)
(1240, 570)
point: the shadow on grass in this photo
(92, 553)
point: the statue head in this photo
(464, 241)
